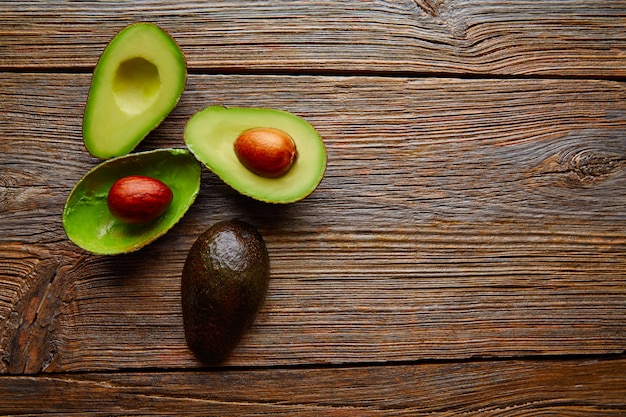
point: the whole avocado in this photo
(224, 282)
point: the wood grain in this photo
(465, 253)
(574, 38)
(495, 388)
(457, 219)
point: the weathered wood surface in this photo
(565, 38)
(465, 252)
(456, 219)
(524, 388)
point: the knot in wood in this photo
(589, 165)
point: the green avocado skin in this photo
(224, 282)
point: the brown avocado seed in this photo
(266, 151)
(138, 199)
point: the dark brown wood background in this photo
(465, 252)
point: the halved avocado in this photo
(211, 133)
(137, 82)
(90, 224)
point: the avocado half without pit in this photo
(270, 155)
(137, 81)
(125, 203)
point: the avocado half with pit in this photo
(137, 81)
(91, 225)
(214, 133)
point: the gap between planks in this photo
(238, 71)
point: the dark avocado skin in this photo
(224, 282)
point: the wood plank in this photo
(457, 219)
(520, 388)
(580, 38)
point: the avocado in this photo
(88, 220)
(137, 81)
(224, 282)
(226, 141)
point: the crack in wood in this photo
(31, 350)
(428, 7)
(45, 294)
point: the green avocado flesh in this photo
(224, 282)
(211, 133)
(88, 221)
(138, 80)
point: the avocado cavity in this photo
(136, 85)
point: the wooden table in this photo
(465, 252)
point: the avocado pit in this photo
(138, 199)
(267, 152)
